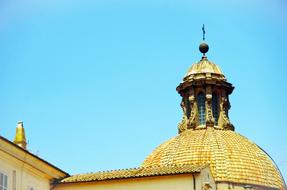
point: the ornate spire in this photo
(20, 138)
(205, 92)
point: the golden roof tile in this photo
(135, 173)
(231, 156)
(202, 69)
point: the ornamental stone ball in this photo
(203, 48)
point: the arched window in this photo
(215, 107)
(201, 108)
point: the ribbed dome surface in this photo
(204, 66)
(232, 157)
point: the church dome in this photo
(204, 66)
(231, 157)
(206, 134)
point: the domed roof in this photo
(231, 156)
(204, 66)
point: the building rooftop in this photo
(135, 173)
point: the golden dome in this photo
(231, 156)
(204, 66)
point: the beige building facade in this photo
(21, 170)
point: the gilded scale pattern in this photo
(232, 157)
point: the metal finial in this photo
(203, 33)
(203, 47)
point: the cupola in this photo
(206, 135)
(204, 91)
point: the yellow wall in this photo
(25, 170)
(26, 176)
(170, 182)
(180, 182)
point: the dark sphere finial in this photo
(203, 48)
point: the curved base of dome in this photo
(242, 186)
(231, 156)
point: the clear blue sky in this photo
(94, 81)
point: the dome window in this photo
(215, 107)
(201, 108)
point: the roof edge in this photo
(134, 173)
(60, 173)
